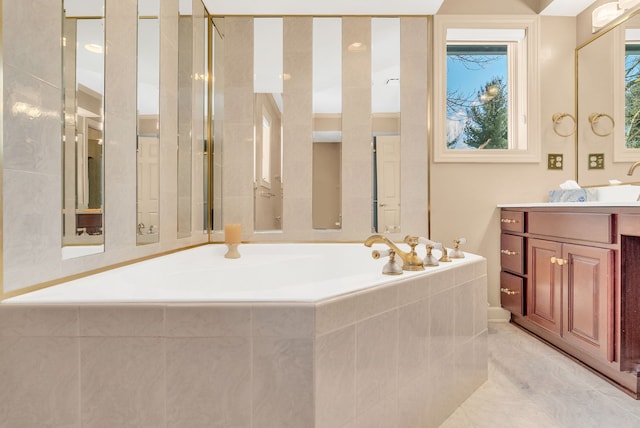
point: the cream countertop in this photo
(571, 204)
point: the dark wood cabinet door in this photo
(544, 287)
(588, 299)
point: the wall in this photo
(463, 197)
(32, 165)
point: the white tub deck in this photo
(264, 273)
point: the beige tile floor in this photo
(532, 385)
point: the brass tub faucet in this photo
(410, 260)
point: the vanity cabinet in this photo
(564, 265)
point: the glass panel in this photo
(206, 143)
(385, 109)
(217, 52)
(148, 143)
(477, 98)
(83, 130)
(268, 78)
(185, 116)
(327, 121)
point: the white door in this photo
(388, 171)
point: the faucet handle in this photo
(430, 259)
(378, 254)
(457, 253)
(429, 243)
(411, 240)
(392, 267)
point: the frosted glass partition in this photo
(83, 130)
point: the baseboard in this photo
(495, 313)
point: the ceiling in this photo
(362, 7)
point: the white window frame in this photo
(524, 110)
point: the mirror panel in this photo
(83, 128)
(385, 109)
(607, 108)
(207, 60)
(185, 115)
(267, 88)
(148, 141)
(326, 202)
(217, 119)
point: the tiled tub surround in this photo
(403, 353)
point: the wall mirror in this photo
(148, 138)
(217, 117)
(385, 109)
(186, 74)
(83, 129)
(206, 145)
(607, 94)
(267, 111)
(326, 202)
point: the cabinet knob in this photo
(509, 252)
(508, 220)
(559, 261)
(509, 291)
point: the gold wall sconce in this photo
(558, 119)
(594, 118)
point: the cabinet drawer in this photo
(512, 253)
(512, 293)
(593, 227)
(512, 221)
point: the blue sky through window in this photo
(466, 79)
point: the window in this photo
(486, 101)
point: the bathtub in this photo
(300, 335)
(264, 273)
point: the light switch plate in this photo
(554, 161)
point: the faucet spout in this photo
(410, 259)
(633, 167)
